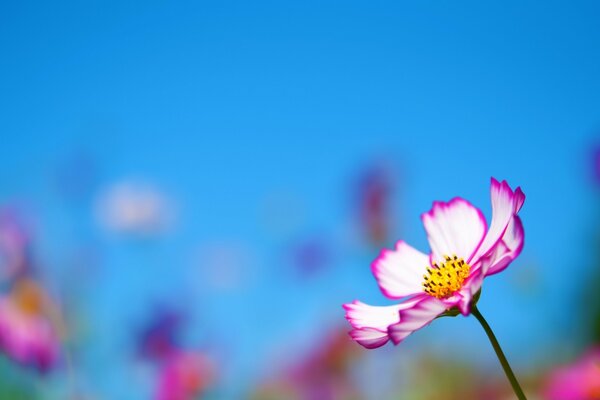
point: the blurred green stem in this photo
(501, 357)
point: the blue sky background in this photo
(230, 107)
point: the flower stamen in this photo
(446, 278)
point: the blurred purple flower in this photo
(310, 256)
(596, 163)
(158, 340)
(14, 245)
(577, 381)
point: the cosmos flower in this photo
(578, 381)
(463, 252)
(27, 334)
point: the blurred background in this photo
(189, 191)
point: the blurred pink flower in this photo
(463, 252)
(325, 372)
(577, 381)
(374, 194)
(184, 377)
(27, 334)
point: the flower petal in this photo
(369, 338)
(371, 323)
(471, 286)
(507, 249)
(454, 228)
(361, 315)
(400, 272)
(505, 204)
(415, 317)
(28, 339)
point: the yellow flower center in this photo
(444, 279)
(28, 296)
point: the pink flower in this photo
(374, 194)
(324, 372)
(463, 252)
(184, 376)
(26, 334)
(578, 381)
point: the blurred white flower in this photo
(135, 208)
(223, 265)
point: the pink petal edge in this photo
(371, 323)
(369, 338)
(416, 317)
(512, 243)
(505, 205)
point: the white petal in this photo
(399, 272)
(361, 315)
(416, 317)
(371, 323)
(454, 228)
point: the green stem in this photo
(501, 357)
